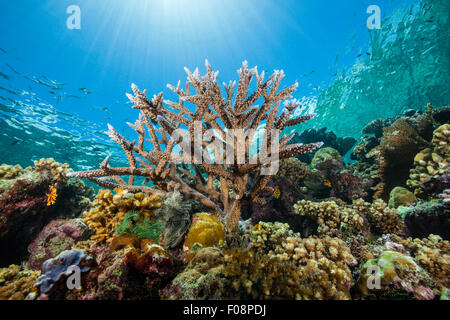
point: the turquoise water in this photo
(59, 87)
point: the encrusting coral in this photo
(211, 110)
(110, 209)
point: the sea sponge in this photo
(17, 283)
(206, 230)
(401, 197)
(110, 209)
(53, 170)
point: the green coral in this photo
(141, 227)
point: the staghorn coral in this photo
(110, 209)
(212, 111)
(431, 164)
(17, 283)
(206, 230)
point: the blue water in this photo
(59, 87)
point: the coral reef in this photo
(210, 109)
(23, 204)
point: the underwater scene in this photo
(224, 150)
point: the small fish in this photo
(277, 193)
(327, 183)
(368, 53)
(359, 55)
(15, 142)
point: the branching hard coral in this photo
(11, 172)
(223, 115)
(310, 268)
(266, 236)
(384, 219)
(335, 219)
(17, 284)
(110, 209)
(331, 218)
(431, 163)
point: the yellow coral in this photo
(206, 230)
(17, 284)
(51, 198)
(110, 209)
